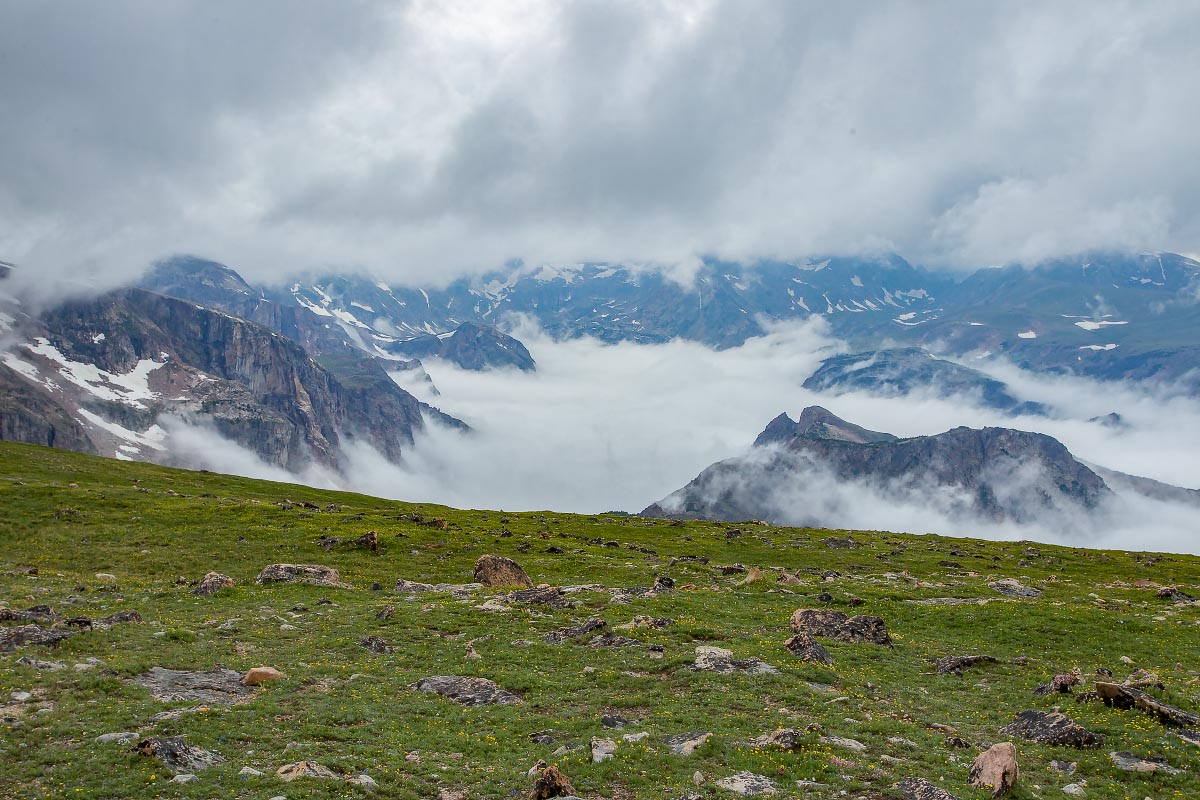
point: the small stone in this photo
(367, 782)
(1074, 789)
(21, 697)
(184, 778)
(602, 749)
(635, 737)
(108, 577)
(250, 772)
(212, 583)
(122, 737)
(1052, 729)
(839, 741)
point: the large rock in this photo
(718, 659)
(921, 789)
(498, 571)
(212, 583)
(1053, 729)
(217, 686)
(956, 664)
(25, 635)
(176, 754)
(1119, 696)
(468, 691)
(837, 625)
(804, 647)
(1014, 588)
(995, 769)
(551, 783)
(314, 574)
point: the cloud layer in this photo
(423, 139)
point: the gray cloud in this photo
(427, 139)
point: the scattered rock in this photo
(956, 664)
(1119, 696)
(551, 783)
(176, 754)
(921, 789)
(250, 772)
(212, 583)
(1059, 684)
(995, 769)
(1132, 763)
(684, 744)
(644, 621)
(259, 675)
(41, 666)
(806, 648)
(718, 659)
(747, 784)
(376, 645)
(784, 739)
(613, 722)
(839, 741)
(602, 749)
(41, 615)
(184, 778)
(468, 691)
(365, 781)
(385, 613)
(608, 639)
(218, 685)
(122, 737)
(304, 769)
(1053, 729)
(956, 742)
(550, 596)
(843, 543)
(498, 571)
(574, 631)
(1075, 789)
(1064, 767)
(1014, 588)
(313, 574)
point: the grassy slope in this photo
(73, 516)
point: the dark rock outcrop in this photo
(551, 783)
(470, 346)
(806, 648)
(1052, 728)
(216, 686)
(314, 574)
(467, 691)
(1118, 696)
(25, 635)
(176, 754)
(837, 625)
(956, 664)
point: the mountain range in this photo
(994, 474)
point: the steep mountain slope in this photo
(119, 367)
(902, 371)
(470, 346)
(990, 473)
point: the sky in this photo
(422, 140)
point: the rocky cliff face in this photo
(470, 346)
(115, 366)
(994, 473)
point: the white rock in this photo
(602, 749)
(121, 738)
(184, 778)
(747, 784)
(250, 771)
(635, 737)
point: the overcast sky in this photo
(424, 139)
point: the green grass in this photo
(72, 516)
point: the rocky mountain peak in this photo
(818, 423)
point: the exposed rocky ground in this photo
(182, 634)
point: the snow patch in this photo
(1027, 335)
(1100, 347)
(1093, 325)
(152, 437)
(132, 388)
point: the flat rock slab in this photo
(1052, 729)
(457, 589)
(314, 574)
(747, 784)
(574, 631)
(468, 691)
(176, 754)
(684, 744)
(921, 789)
(216, 686)
(1134, 763)
(1011, 587)
(718, 659)
(304, 769)
(1118, 696)
(841, 741)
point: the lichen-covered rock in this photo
(718, 659)
(376, 645)
(304, 769)
(1135, 763)
(25, 635)
(1053, 729)
(783, 738)
(176, 754)
(1118, 696)
(747, 784)
(684, 744)
(314, 574)
(956, 664)
(804, 647)
(1014, 588)
(498, 572)
(574, 631)
(212, 583)
(468, 691)
(602, 749)
(995, 769)
(837, 625)
(921, 789)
